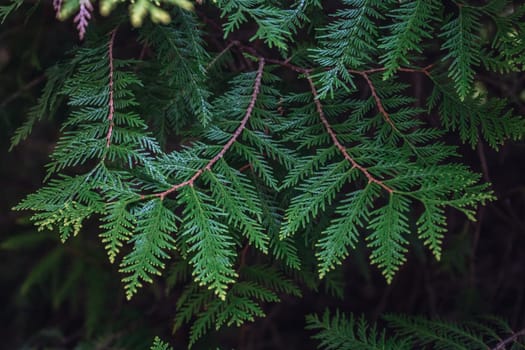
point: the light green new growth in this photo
(158, 344)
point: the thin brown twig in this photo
(363, 73)
(480, 215)
(286, 63)
(19, 92)
(220, 54)
(378, 101)
(111, 112)
(338, 144)
(502, 344)
(379, 104)
(242, 260)
(425, 70)
(245, 167)
(227, 146)
(143, 51)
(483, 160)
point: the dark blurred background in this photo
(65, 296)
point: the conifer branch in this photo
(319, 107)
(111, 103)
(231, 141)
(319, 158)
(363, 73)
(336, 142)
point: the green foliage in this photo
(208, 240)
(244, 301)
(5, 10)
(79, 284)
(48, 101)
(412, 23)
(275, 25)
(413, 171)
(463, 44)
(158, 344)
(347, 42)
(181, 53)
(339, 332)
(476, 116)
(258, 168)
(151, 242)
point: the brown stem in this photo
(242, 260)
(424, 70)
(379, 103)
(111, 112)
(338, 144)
(226, 49)
(483, 160)
(245, 167)
(502, 344)
(231, 141)
(363, 73)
